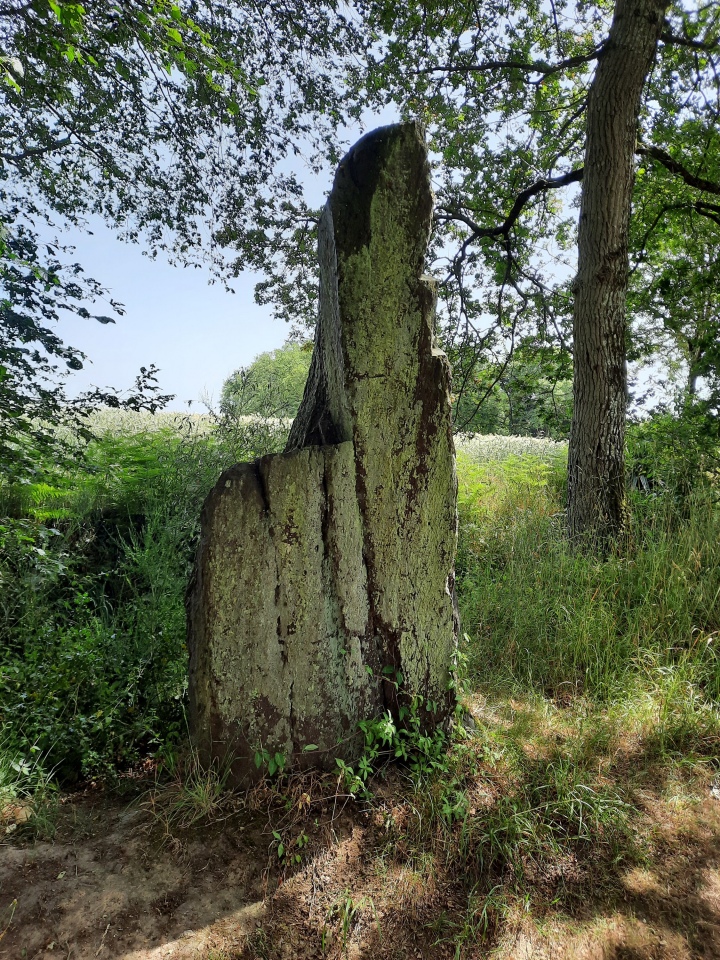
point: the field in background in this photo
(582, 775)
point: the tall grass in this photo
(640, 626)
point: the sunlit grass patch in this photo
(544, 617)
(524, 816)
(484, 448)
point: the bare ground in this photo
(114, 884)
(304, 872)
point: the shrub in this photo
(93, 662)
(673, 455)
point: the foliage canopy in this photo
(170, 121)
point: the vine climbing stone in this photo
(323, 591)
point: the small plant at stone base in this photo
(195, 793)
(421, 752)
(274, 762)
(289, 850)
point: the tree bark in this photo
(596, 462)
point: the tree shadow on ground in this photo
(652, 895)
(113, 882)
(382, 880)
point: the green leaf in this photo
(12, 82)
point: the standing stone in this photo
(322, 568)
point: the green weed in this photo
(482, 917)
(28, 795)
(7, 917)
(188, 793)
(345, 914)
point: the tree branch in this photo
(540, 186)
(35, 151)
(533, 66)
(642, 246)
(655, 153)
(709, 210)
(672, 39)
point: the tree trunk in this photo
(596, 463)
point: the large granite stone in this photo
(321, 568)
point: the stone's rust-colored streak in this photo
(319, 567)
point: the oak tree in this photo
(526, 103)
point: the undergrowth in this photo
(94, 563)
(639, 627)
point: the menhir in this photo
(324, 581)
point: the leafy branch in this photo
(674, 166)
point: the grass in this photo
(547, 619)
(188, 793)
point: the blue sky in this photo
(196, 333)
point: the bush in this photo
(673, 455)
(93, 664)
